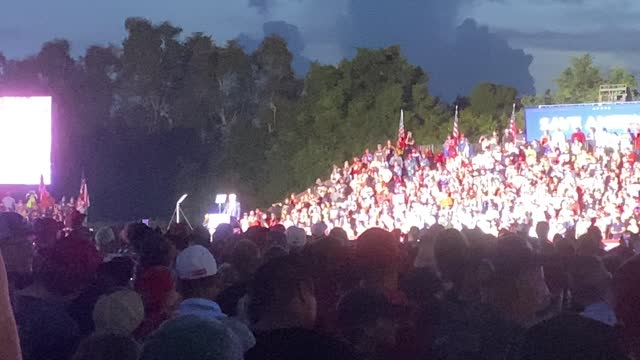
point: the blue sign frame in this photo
(614, 117)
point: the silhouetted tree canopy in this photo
(165, 114)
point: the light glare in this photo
(25, 148)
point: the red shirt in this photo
(579, 136)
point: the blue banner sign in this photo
(615, 117)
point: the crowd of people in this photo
(34, 206)
(277, 293)
(490, 251)
(505, 184)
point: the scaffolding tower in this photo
(614, 93)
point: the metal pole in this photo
(178, 213)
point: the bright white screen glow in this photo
(25, 140)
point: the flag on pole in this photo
(46, 200)
(513, 127)
(83, 202)
(456, 131)
(41, 189)
(401, 127)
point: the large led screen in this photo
(25, 140)
(615, 117)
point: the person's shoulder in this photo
(241, 331)
(298, 343)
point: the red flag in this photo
(456, 131)
(402, 139)
(83, 202)
(42, 189)
(401, 134)
(46, 200)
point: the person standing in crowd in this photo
(9, 202)
(46, 329)
(158, 290)
(283, 308)
(578, 137)
(107, 347)
(366, 321)
(199, 285)
(191, 337)
(120, 312)
(591, 289)
(9, 342)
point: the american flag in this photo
(401, 127)
(84, 202)
(46, 200)
(456, 131)
(513, 127)
(42, 189)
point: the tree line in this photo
(167, 113)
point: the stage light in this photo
(178, 210)
(221, 199)
(232, 197)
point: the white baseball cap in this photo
(195, 262)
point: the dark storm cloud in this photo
(261, 5)
(457, 57)
(290, 33)
(606, 40)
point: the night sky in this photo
(549, 30)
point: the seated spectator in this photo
(119, 313)
(199, 286)
(570, 337)
(282, 307)
(366, 321)
(192, 338)
(107, 347)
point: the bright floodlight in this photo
(182, 198)
(221, 199)
(232, 197)
(22, 163)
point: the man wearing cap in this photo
(199, 285)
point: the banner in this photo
(615, 117)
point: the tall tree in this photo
(101, 66)
(619, 75)
(151, 73)
(490, 110)
(275, 79)
(580, 82)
